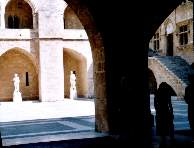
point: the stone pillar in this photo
(51, 76)
(35, 20)
(2, 15)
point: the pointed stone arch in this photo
(98, 54)
(26, 53)
(29, 2)
(74, 61)
(18, 61)
(71, 21)
(20, 13)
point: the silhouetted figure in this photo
(192, 66)
(1, 144)
(151, 116)
(164, 113)
(189, 99)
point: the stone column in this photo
(51, 71)
(35, 21)
(2, 15)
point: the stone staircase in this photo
(178, 66)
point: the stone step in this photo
(176, 65)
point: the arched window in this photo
(18, 15)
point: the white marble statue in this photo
(16, 81)
(73, 91)
(17, 97)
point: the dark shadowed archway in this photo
(169, 88)
(80, 8)
(105, 46)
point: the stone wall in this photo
(182, 15)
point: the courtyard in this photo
(34, 121)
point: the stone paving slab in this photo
(72, 125)
(30, 121)
(38, 131)
(32, 129)
(51, 138)
(30, 110)
(179, 111)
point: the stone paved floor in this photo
(181, 124)
(31, 122)
(32, 110)
(180, 113)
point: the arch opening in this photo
(71, 20)
(75, 62)
(99, 72)
(11, 62)
(18, 15)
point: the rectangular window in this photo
(183, 35)
(156, 41)
(27, 79)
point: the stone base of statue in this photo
(73, 93)
(17, 97)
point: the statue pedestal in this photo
(17, 97)
(73, 93)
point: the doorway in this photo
(169, 45)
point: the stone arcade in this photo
(43, 53)
(126, 116)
